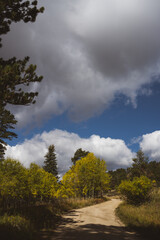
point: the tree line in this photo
(141, 166)
(20, 186)
(88, 177)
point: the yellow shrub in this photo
(137, 190)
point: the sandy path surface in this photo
(96, 222)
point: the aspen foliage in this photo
(87, 178)
(21, 186)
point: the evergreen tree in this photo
(78, 155)
(153, 171)
(15, 11)
(139, 166)
(7, 121)
(117, 176)
(15, 74)
(50, 163)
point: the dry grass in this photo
(145, 217)
(15, 227)
(75, 203)
(23, 223)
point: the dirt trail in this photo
(96, 222)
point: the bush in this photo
(136, 191)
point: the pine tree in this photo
(139, 166)
(50, 163)
(78, 155)
(15, 75)
(15, 11)
(7, 121)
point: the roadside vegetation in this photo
(136, 191)
(32, 199)
(144, 218)
(141, 194)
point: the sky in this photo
(100, 61)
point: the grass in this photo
(15, 227)
(24, 223)
(144, 218)
(72, 203)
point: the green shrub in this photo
(136, 191)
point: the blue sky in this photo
(101, 86)
(120, 121)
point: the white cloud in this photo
(87, 51)
(113, 151)
(150, 145)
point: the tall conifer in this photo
(50, 163)
(15, 74)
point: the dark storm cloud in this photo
(87, 51)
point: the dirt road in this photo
(96, 222)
